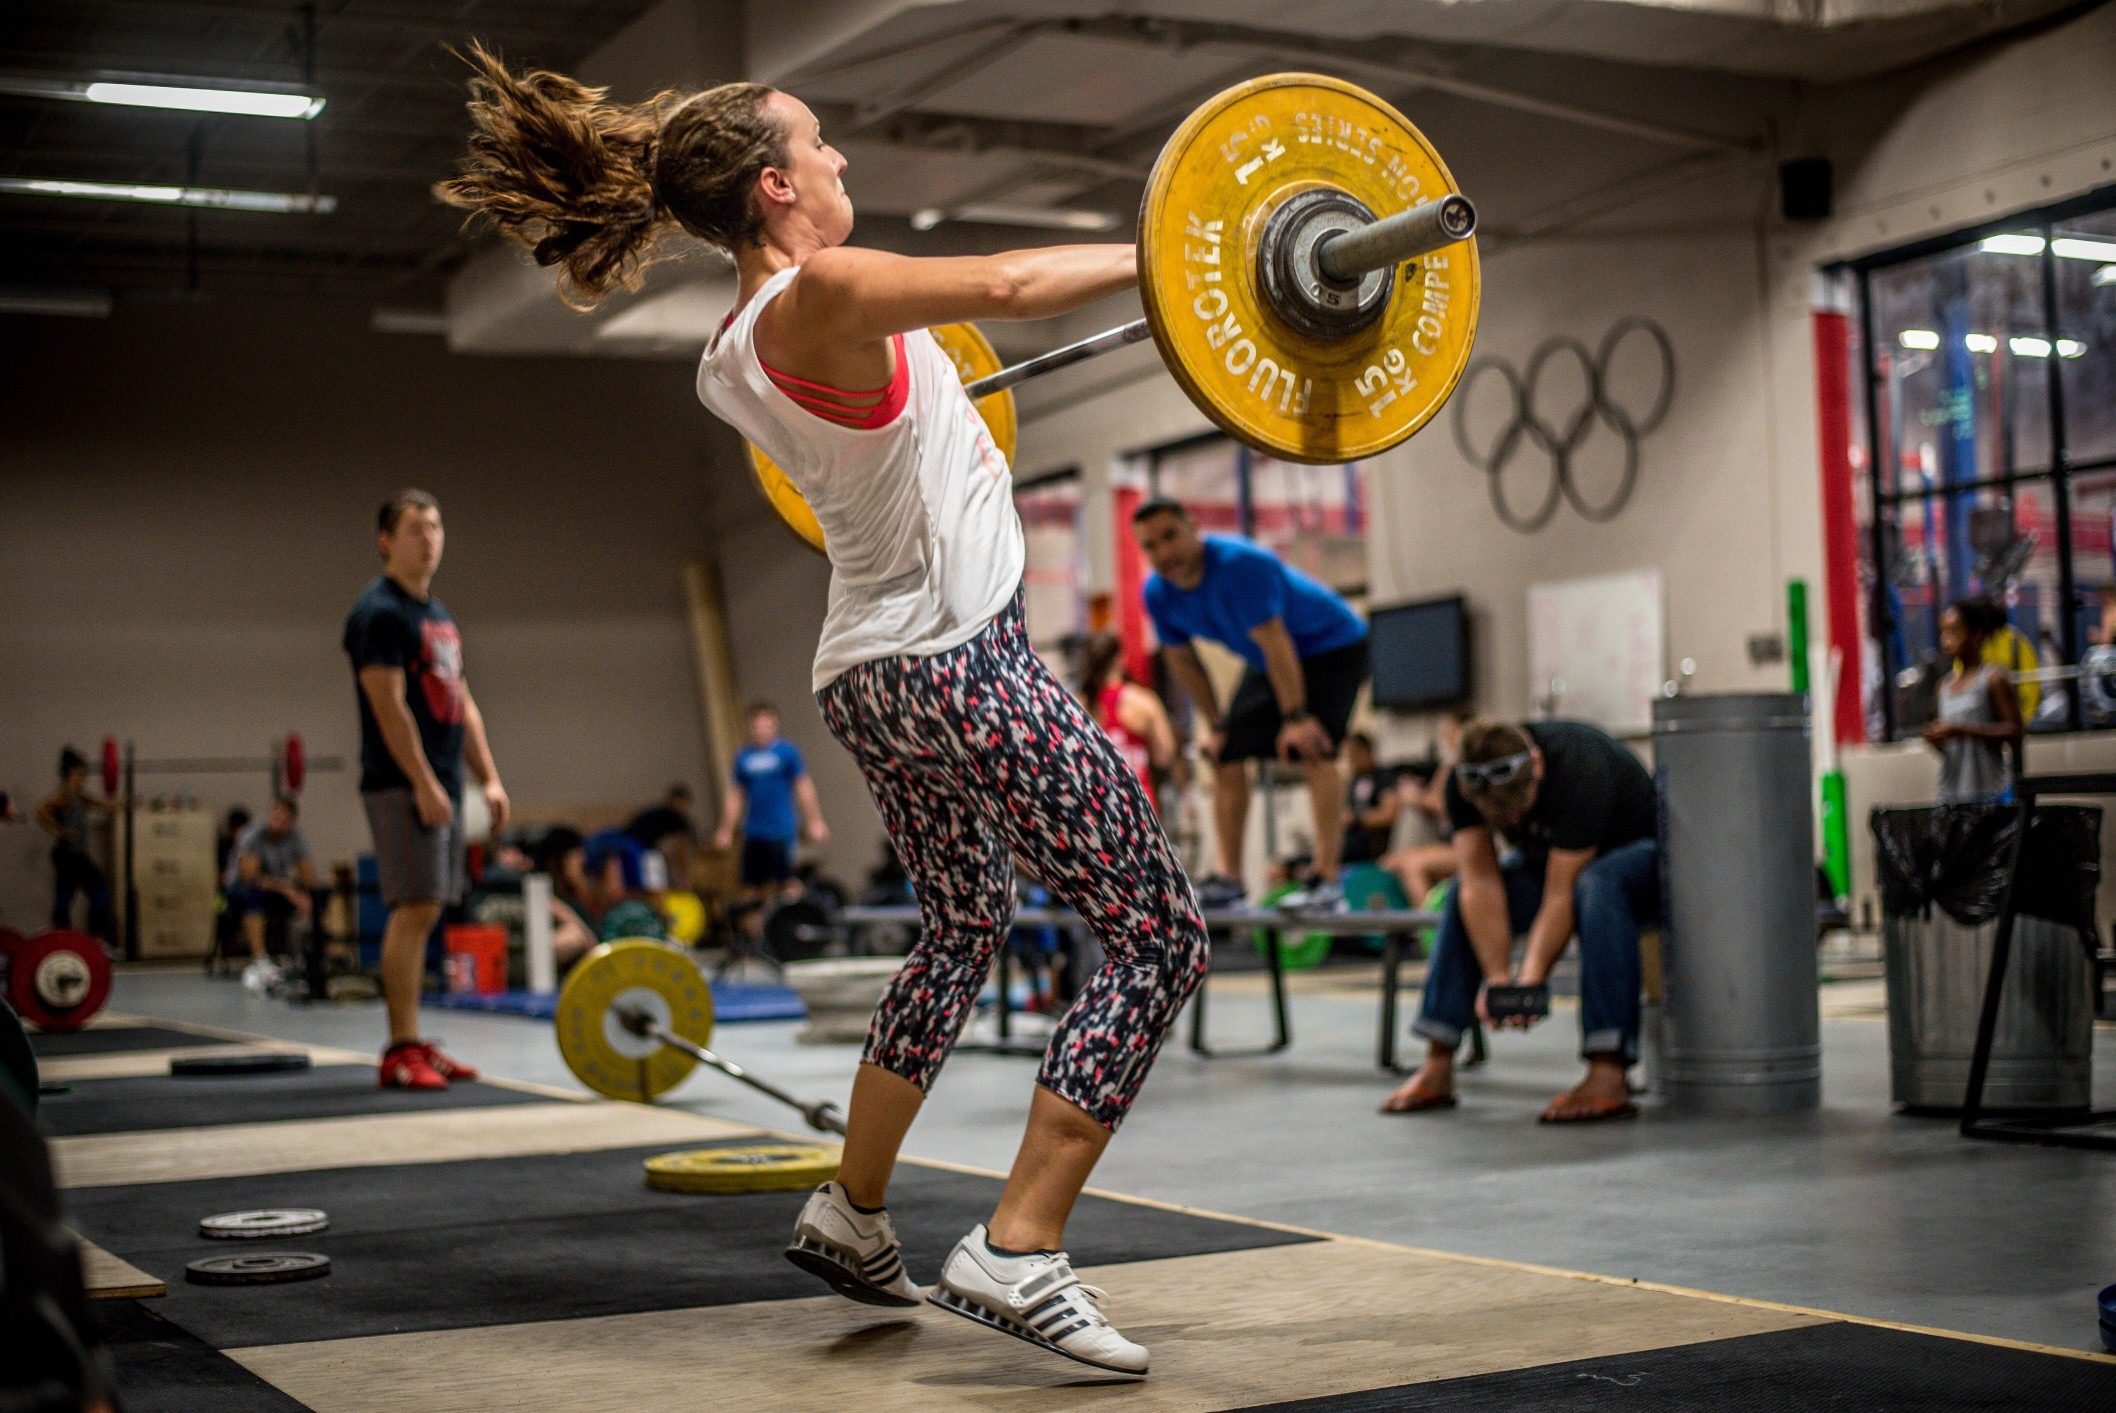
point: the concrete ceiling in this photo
(955, 105)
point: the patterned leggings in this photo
(977, 756)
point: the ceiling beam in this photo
(1426, 66)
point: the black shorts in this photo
(1332, 679)
(766, 861)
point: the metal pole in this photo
(1426, 227)
(132, 894)
(821, 1115)
(1119, 337)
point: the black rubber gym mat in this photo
(1841, 1367)
(553, 1237)
(194, 1101)
(160, 1366)
(108, 1039)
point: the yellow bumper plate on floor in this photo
(744, 1167)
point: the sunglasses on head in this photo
(1494, 773)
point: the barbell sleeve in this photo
(1424, 228)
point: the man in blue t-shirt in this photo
(1306, 656)
(772, 799)
(419, 726)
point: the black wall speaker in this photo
(1804, 189)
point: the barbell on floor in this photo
(1273, 240)
(634, 1018)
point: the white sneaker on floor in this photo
(261, 976)
(1036, 1297)
(855, 1252)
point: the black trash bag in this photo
(1955, 857)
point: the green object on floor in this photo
(1301, 953)
(632, 918)
(1836, 833)
(1370, 888)
(1435, 902)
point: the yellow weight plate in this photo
(784, 498)
(972, 354)
(1231, 164)
(629, 973)
(743, 1167)
(685, 912)
(973, 357)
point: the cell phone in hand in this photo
(1509, 1002)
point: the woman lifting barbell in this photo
(974, 752)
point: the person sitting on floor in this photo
(671, 830)
(1423, 788)
(1372, 802)
(270, 880)
(1580, 812)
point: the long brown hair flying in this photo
(591, 186)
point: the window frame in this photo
(1884, 505)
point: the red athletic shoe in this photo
(451, 1070)
(409, 1066)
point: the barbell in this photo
(633, 1021)
(1308, 274)
(288, 763)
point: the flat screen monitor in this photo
(1421, 655)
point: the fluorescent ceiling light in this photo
(162, 91)
(2070, 247)
(2013, 245)
(2073, 248)
(70, 303)
(2031, 347)
(1041, 217)
(1918, 338)
(205, 100)
(210, 197)
(408, 321)
(1980, 343)
(2106, 275)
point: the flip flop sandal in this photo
(1422, 1102)
(1593, 1111)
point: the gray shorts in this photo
(414, 864)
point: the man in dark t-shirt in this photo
(670, 829)
(418, 725)
(1371, 802)
(1578, 810)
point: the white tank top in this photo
(925, 544)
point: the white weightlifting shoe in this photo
(855, 1252)
(1036, 1297)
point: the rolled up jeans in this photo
(1615, 897)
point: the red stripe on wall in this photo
(1131, 586)
(1840, 530)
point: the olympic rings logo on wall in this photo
(1561, 439)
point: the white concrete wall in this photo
(187, 499)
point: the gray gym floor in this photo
(1851, 1209)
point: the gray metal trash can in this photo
(1942, 874)
(1742, 1030)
